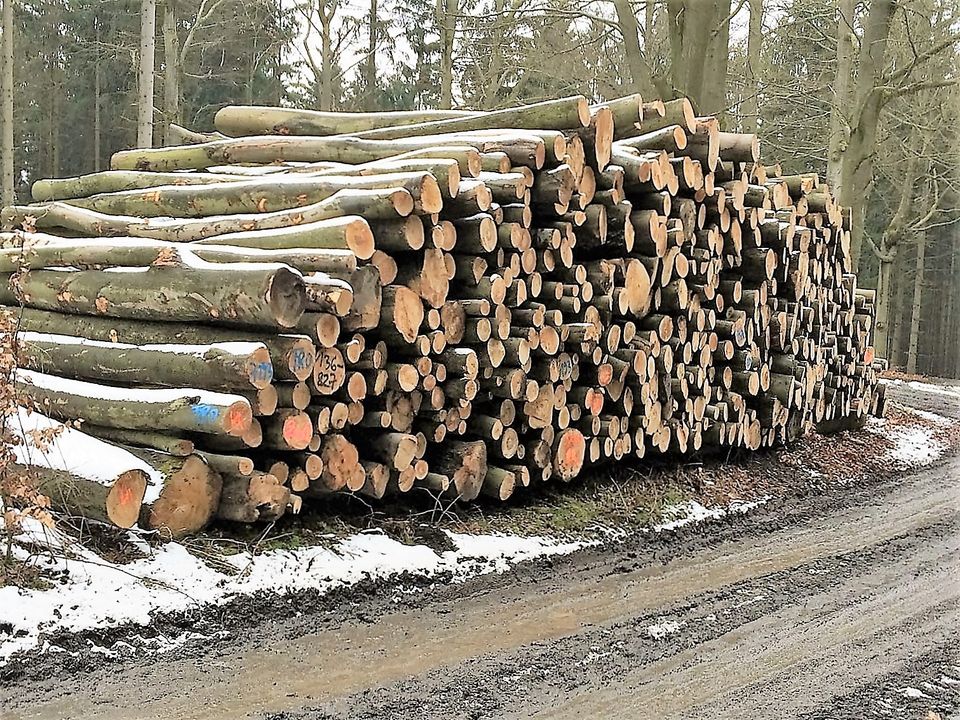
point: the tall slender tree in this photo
(145, 70)
(6, 100)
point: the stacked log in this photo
(460, 304)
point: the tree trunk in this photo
(692, 24)
(292, 356)
(386, 204)
(882, 322)
(7, 158)
(171, 72)
(256, 195)
(447, 9)
(898, 316)
(917, 306)
(714, 89)
(370, 63)
(857, 163)
(326, 57)
(640, 74)
(750, 105)
(560, 114)
(97, 92)
(839, 124)
(145, 65)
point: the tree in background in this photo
(6, 103)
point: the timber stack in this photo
(456, 303)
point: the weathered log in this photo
(181, 410)
(270, 296)
(227, 366)
(370, 204)
(79, 473)
(239, 120)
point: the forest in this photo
(864, 92)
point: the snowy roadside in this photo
(90, 593)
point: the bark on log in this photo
(268, 296)
(181, 410)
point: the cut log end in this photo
(125, 498)
(569, 451)
(287, 298)
(189, 499)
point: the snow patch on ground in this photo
(664, 629)
(915, 446)
(691, 511)
(99, 594)
(95, 593)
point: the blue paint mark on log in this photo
(300, 360)
(204, 413)
(262, 372)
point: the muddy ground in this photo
(838, 603)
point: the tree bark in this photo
(375, 204)
(839, 124)
(750, 105)
(641, 76)
(7, 159)
(79, 473)
(370, 62)
(857, 164)
(171, 72)
(145, 66)
(268, 296)
(447, 9)
(181, 410)
(917, 306)
(237, 366)
(239, 120)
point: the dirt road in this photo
(844, 605)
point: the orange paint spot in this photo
(124, 494)
(238, 418)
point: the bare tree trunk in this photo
(917, 305)
(750, 105)
(649, 18)
(841, 93)
(492, 89)
(882, 323)
(370, 65)
(447, 9)
(692, 23)
(326, 56)
(148, 31)
(171, 72)
(6, 147)
(53, 143)
(857, 161)
(97, 92)
(640, 75)
(899, 315)
(714, 88)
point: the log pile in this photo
(458, 303)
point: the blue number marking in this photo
(206, 413)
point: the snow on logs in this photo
(450, 303)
